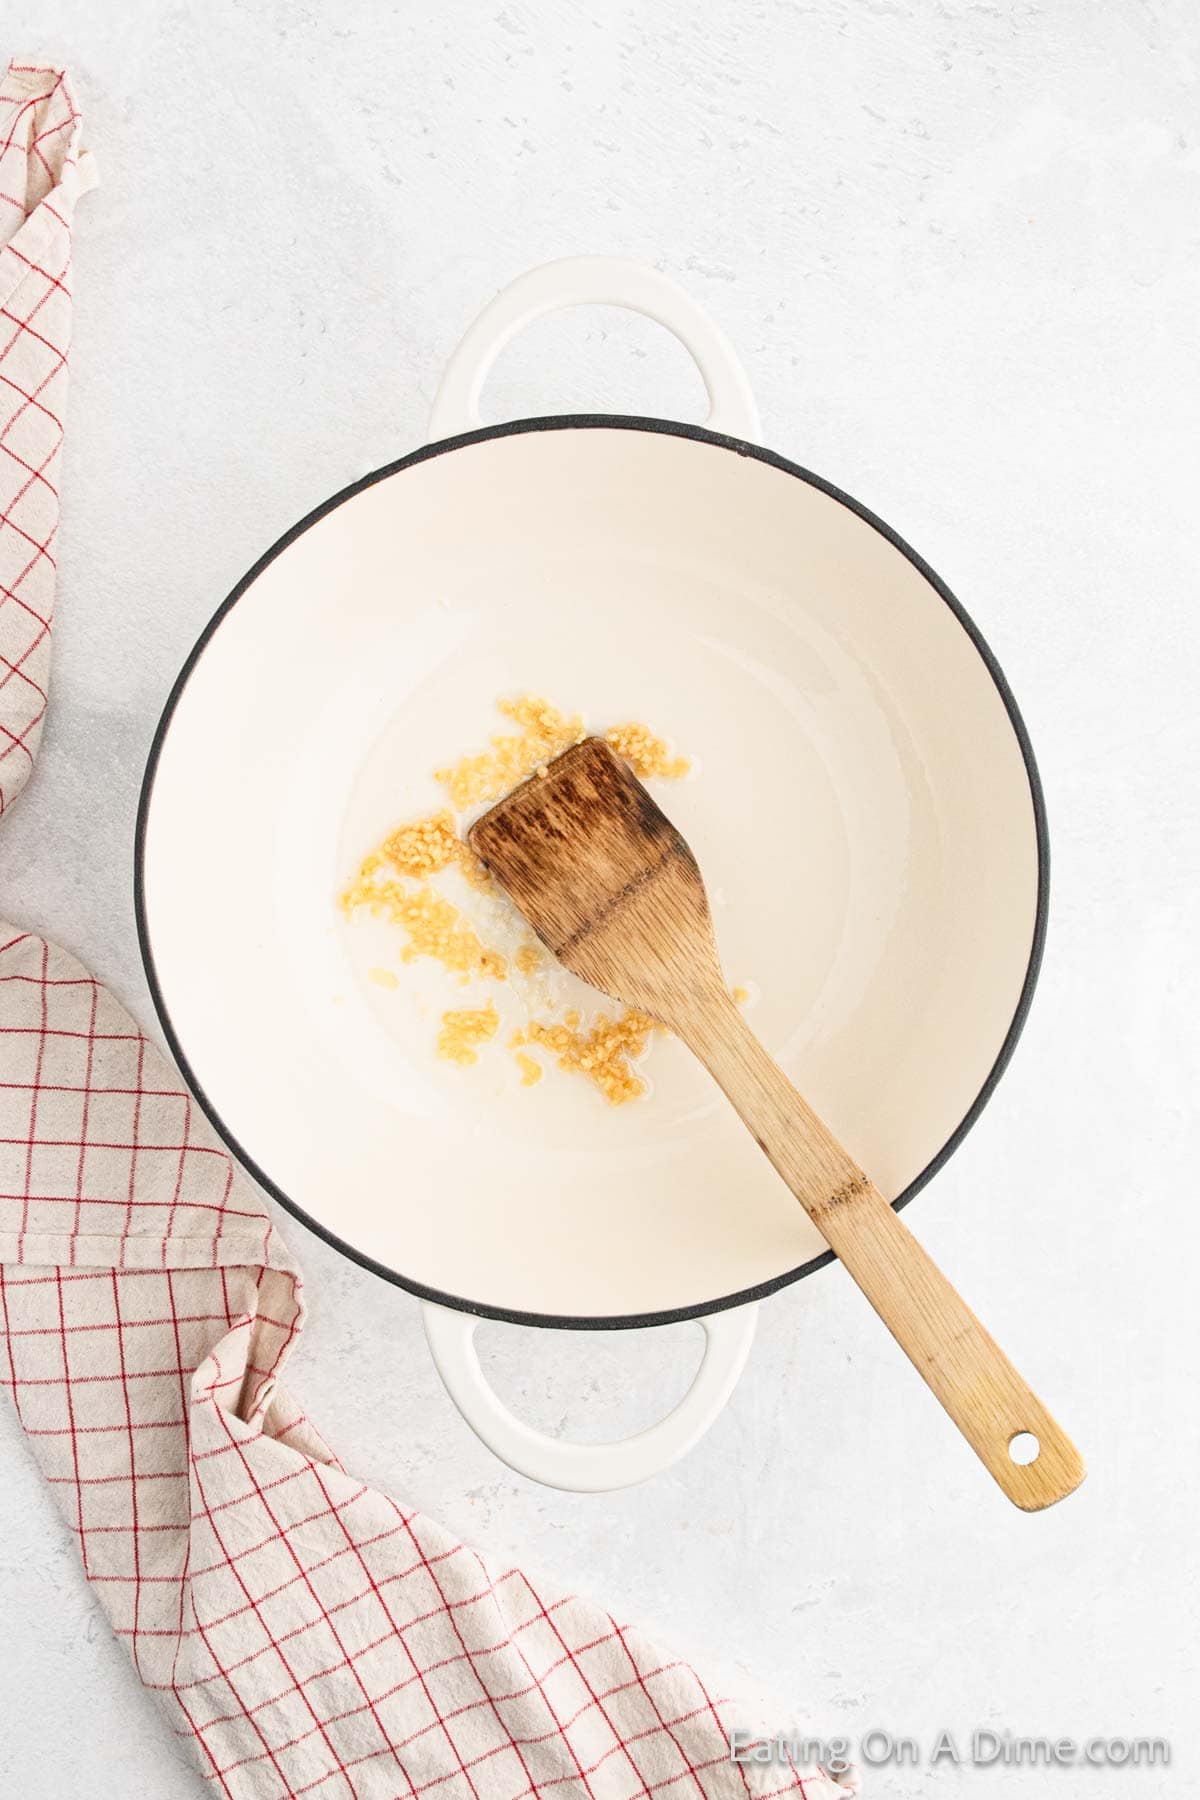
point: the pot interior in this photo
(859, 802)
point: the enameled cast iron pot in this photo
(865, 806)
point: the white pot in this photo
(866, 810)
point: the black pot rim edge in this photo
(670, 428)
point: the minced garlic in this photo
(531, 1071)
(462, 1031)
(396, 882)
(434, 924)
(602, 1054)
(492, 772)
(646, 754)
(424, 846)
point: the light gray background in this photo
(956, 245)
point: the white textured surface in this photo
(957, 247)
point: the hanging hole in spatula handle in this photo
(594, 281)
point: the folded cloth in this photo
(309, 1635)
(312, 1635)
(43, 171)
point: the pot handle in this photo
(594, 281)
(589, 1468)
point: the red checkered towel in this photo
(42, 174)
(309, 1635)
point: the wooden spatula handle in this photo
(965, 1367)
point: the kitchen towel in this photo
(309, 1635)
(42, 173)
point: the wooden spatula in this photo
(612, 889)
